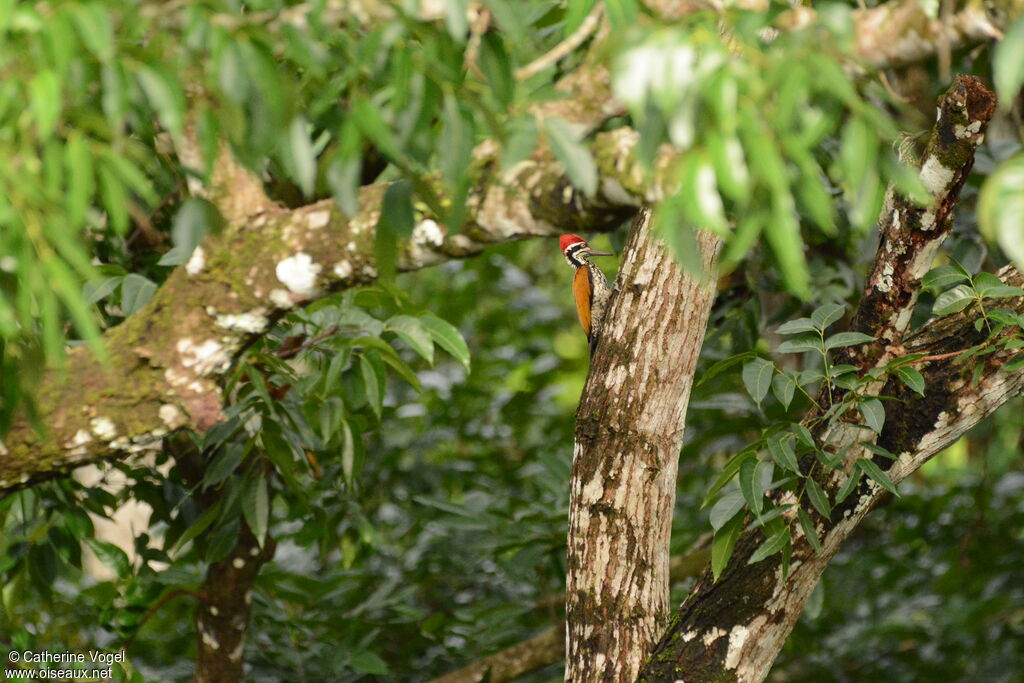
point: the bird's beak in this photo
(592, 252)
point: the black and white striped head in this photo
(576, 250)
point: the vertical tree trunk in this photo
(732, 629)
(628, 435)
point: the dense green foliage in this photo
(408, 444)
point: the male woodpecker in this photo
(589, 286)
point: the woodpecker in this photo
(589, 286)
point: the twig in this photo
(584, 31)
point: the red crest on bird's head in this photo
(566, 240)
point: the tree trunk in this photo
(628, 435)
(733, 629)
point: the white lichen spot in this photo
(935, 176)
(103, 428)
(171, 415)
(711, 636)
(205, 359)
(343, 269)
(213, 610)
(281, 298)
(928, 220)
(689, 635)
(737, 637)
(254, 551)
(429, 232)
(885, 281)
(298, 273)
(80, 438)
(236, 654)
(3, 449)
(248, 598)
(196, 262)
(238, 563)
(209, 641)
(318, 219)
(252, 322)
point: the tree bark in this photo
(733, 629)
(628, 435)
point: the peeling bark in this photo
(733, 629)
(628, 435)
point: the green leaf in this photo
(366, 661)
(412, 332)
(299, 156)
(848, 485)
(873, 412)
(953, 300)
(345, 169)
(374, 391)
(750, 485)
(1008, 64)
(1001, 202)
(847, 339)
(115, 198)
(348, 452)
(757, 378)
(256, 507)
(1002, 292)
(136, 292)
(371, 125)
(1014, 364)
(809, 531)
(798, 325)
(803, 435)
(111, 555)
(775, 543)
(877, 474)
(783, 453)
(827, 314)
(724, 542)
(730, 165)
(575, 158)
(221, 467)
(912, 378)
(100, 288)
(723, 365)
(784, 388)
(455, 19)
(197, 527)
(192, 221)
(46, 101)
(447, 337)
(396, 222)
(165, 96)
(787, 244)
(726, 508)
(878, 450)
(93, 24)
(818, 498)
(728, 472)
(801, 344)
(939, 278)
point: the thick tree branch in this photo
(733, 629)
(165, 360)
(628, 435)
